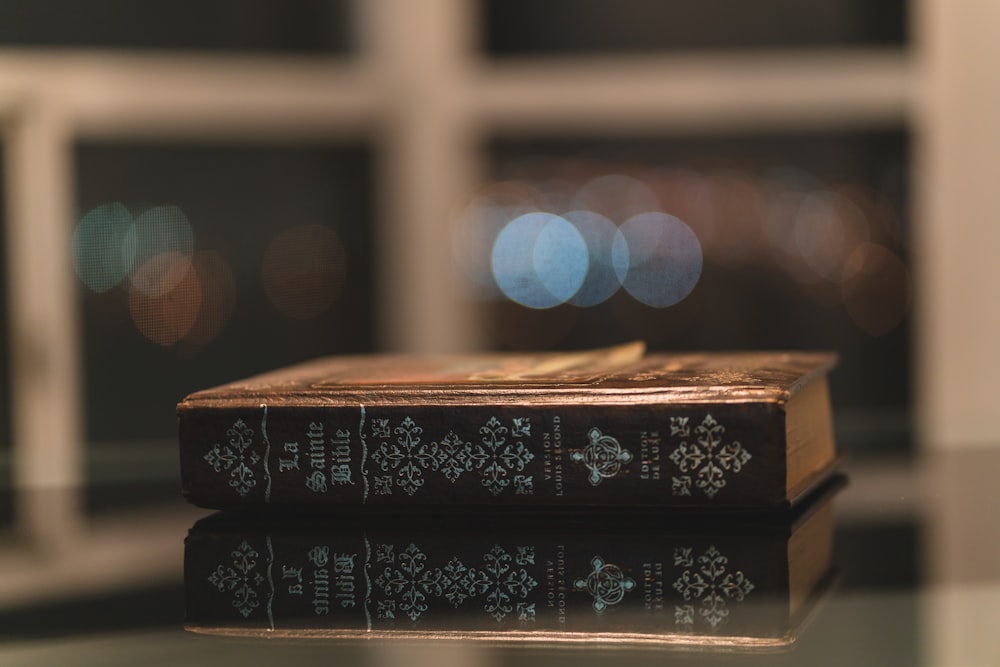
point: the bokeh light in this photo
(303, 270)
(658, 259)
(733, 236)
(166, 317)
(654, 231)
(476, 229)
(102, 255)
(160, 237)
(217, 287)
(828, 227)
(879, 291)
(616, 197)
(602, 280)
(173, 294)
(779, 226)
(540, 260)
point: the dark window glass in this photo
(554, 27)
(200, 265)
(147, 606)
(302, 26)
(803, 245)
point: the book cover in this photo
(600, 428)
(527, 578)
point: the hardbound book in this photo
(711, 583)
(614, 427)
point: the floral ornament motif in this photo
(383, 485)
(240, 578)
(502, 580)
(384, 553)
(495, 457)
(603, 456)
(411, 580)
(524, 485)
(681, 486)
(386, 609)
(684, 614)
(454, 456)
(458, 582)
(380, 429)
(707, 581)
(607, 584)
(525, 556)
(707, 457)
(234, 457)
(683, 556)
(407, 457)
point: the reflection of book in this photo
(609, 427)
(638, 580)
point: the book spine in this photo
(577, 585)
(657, 455)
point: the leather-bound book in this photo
(615, 427)
(621, 578)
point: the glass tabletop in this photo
(900, 567)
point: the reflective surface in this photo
(916, 549)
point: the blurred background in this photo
(196, 192)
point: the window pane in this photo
(524, 27)
(204, 264)
(302, 26)
(800, 242)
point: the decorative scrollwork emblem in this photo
(237, 458)
(603, 456)
(706, 459)
(499, 457)
(502, 584)
(240, 577)
(709, 580)
(607, 584)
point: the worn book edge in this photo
(789, 390)
(615, 375)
